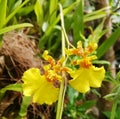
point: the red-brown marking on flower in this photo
(78, 52)
(85, 63)
(51, 61)
(64, 69)
(49, 76)
(90, 49)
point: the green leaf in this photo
(13, 27)
(10, 4)
(25, 10)
(78, 24)
(96, 14)
(3, 7)
(108, 43)
(15, 11)
(97, 33)
(72, 95)
(16, 4)
(111, 2)
(25, 103)
(50, 28)
(39, 13)
(107, 114)
(87, 104)
(13, 87)
(101, 62)
(110, 96)
(118, 76)
(53, 10)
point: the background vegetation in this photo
(28, 27)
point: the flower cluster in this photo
(86, 75)
(44, 86)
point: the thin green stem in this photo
(63, 83)
(113, 109)
(61, 100)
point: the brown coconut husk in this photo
(20, 52)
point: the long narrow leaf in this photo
(94, 17)
(11, 4)
(25, 10)
(97, 33)
(3, 7)
(49, 30)
(78, 24)
(13, 27)
(39, 12)
(16, 4)
(13, 87)
(53, 10)
(15, 11)
(108, 43)
(96, 14)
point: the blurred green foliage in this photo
(46, 16)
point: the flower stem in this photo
(113, 109)
(61, 100)
(63, 83)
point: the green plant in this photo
(62, 27)
(114, 95)
(8, 9)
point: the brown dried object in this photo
(20, 52)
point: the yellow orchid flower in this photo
(43, 87)
(48, 58)
(80, 51)
(37, 86)
(84, 78)
(86, 75)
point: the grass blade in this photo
(97, 33)
(13, 87)
(15, 11)
(53, 10)
(78, 24)
(96, 14)
(13, 27)
(39, 13)
(50, 28)
(108, 43)
(3, 6)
